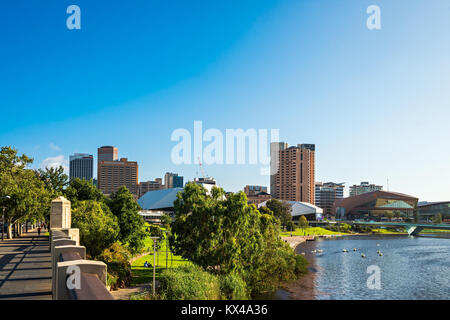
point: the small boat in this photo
(319, 250)
(313, 251)
(363, 255)
(344, 250)
(380, 253)
(354, 249)
(303, 253)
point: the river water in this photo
(411, 267)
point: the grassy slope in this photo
(141, 274)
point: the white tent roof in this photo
(300, 208)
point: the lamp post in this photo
(167, 247)
(154, 263)
(3, 218)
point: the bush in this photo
(301, 265)
(188, 282)
(232, 287)
(119, 268)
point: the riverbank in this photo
(303, 288)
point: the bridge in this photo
(412, 228)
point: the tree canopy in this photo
(226, 235)
(131, 224)
(98, 226)
(28, 200)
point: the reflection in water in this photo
(411, 267)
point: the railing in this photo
(74, 277)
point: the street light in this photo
(154, 262)
(3, 218)
(167, 247)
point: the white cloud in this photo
(54, 146)
(55, 162)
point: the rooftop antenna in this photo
(201, 168)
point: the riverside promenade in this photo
(25, 268)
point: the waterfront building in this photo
(81, 165)
(363, 187)
(172, 180)
(325, 195)
(377, 206)
(292, 172)
(429, 210)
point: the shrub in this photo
(301, 265)
(188, 282)
(232, 287)
(119, 268)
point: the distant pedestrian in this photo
(39, 231)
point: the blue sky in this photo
(375, 102)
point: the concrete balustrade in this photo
(66, 253)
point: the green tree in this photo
(28, 198)
(55, 180)
(166, 220)
(281, 210)
(303, 223)
(389, 215)
(98, 226)
(131, 223)
(228, 236)
(438, 219)
(82, 190)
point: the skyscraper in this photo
(105, 153)
(292, 172)
(173, 180)
(81, 166)
(326, 194)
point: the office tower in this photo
(293, 172)
(114, 174)
(147, 186)
(105, 153)
(326, 194)
(364, 187)
(81, 166)
(173, 180)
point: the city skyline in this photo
(374, 102)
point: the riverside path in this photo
(25, 268)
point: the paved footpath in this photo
(25, 268)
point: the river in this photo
(410, 267)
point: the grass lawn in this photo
(142, 274)
(310, 231)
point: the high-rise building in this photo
(364, 187)
(81, 165)
(173, 180)
(292, 172)
(105, 153)
(147, 186)
(114, 174)
(326, 194)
